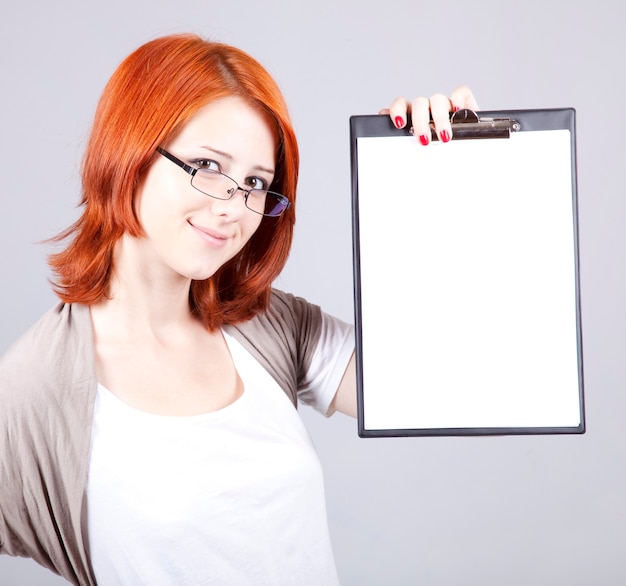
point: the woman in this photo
(148, 432)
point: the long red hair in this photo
(147, 101)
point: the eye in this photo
(256, 183)
(207, 165)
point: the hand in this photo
(438, 107)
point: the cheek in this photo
(256, 222)
(155, 201)
(247, 230)
(251, 226)
(145, 209)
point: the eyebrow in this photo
(230, 158)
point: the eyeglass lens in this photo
(221, 186)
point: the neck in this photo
(144, 296)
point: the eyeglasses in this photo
(219, 186)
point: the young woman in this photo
(148, 433)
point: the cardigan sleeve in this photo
(46, 400)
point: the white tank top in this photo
(234, 497)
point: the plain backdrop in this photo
(490, 511)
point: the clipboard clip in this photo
(467, 124)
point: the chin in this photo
(201, 273)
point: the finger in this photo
(420, 116)
(462, 97)
(399, 111)
(440, 108)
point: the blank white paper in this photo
(468, 283)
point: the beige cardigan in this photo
(47, 393)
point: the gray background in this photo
(435, 511)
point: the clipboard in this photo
(466, 276)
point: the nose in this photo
(234, 206)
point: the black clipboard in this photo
(466, 272)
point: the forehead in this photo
(230, 121)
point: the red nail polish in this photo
(424, 139)
(456, 108)
(445, 136)
(399, 121)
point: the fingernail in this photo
(445, 136)
(456, 108)
(424, 139)
(399, 121)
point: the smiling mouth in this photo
(212, 237)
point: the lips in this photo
(210, 236)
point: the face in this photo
(187, 233)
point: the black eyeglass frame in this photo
(281, 199)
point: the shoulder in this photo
(289, 321)
(47, 351)
(61, 327)
(286, 308)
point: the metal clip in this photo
(467, 124)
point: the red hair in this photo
(147, 101)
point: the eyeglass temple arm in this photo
(177, 161)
